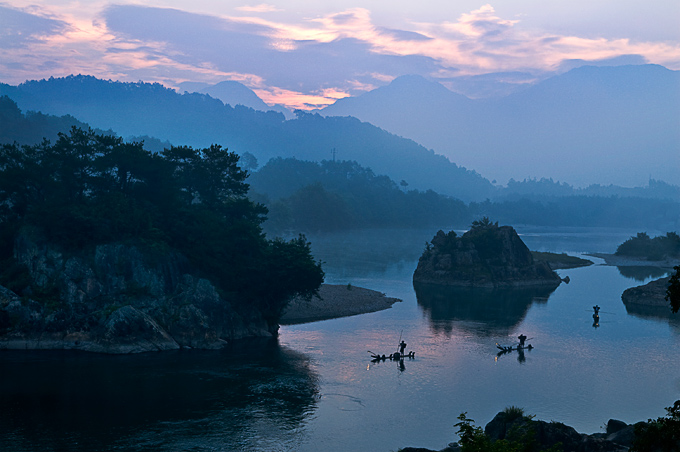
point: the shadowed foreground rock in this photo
(652, 294)
(116, 299)
(543, 435)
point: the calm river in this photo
(316, 389)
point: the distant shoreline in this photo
(627, 261)
(335, 301)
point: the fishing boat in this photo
(393, 356)
(509, 348)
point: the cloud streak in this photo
(306, 63)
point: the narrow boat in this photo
(510, 348)
(393, 357)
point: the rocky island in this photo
(486, 256)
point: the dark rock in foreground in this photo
(116, 299)
(485, 256)
(619, 436)
(652, 294)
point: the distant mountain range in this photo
(234, 93)
(617, 124)
(199, 120)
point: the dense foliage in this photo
(673, 291)
(660, 435)
(653, 249)
(88, 189)
(337, 195)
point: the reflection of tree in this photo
(657, 313)
(129, 402)
(497, 311)
(640, 273)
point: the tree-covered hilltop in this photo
(31, 128)
(653, 249)
(89, 189)
(334, 195)
(338, 195)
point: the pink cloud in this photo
(304, 63)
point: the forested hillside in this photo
(88, 189)
(136, 109)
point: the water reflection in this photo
(494, 312)
(521, 357)
(657, 313)
(640, 273)
(77, 401)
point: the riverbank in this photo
(335, 301)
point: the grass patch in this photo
(562, 260)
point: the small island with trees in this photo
(487, 256)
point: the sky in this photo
(307, 54)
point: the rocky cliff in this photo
(116, 298)
(486, 256)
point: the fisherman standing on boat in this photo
(521, 338)
(402, 347)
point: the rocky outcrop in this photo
(549, 434)
(486, 256)
(541, 435)
(652, 294)
(117, 299)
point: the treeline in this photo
(652, 249)
(88, 189)
(336, 195)
(547, 187)
(137, 109)
(32, 127)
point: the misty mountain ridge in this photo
(150, 109)
(609, 125)
(312, 196)
(234, 93)
(30, 128)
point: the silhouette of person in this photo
(402, 347)
(521, 338)
(596, 308)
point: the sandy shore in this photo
(623, 261)
(336, 301)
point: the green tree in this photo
(660, 435)
(89, 189)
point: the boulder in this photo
(547, 434)
(652, 294)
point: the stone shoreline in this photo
(334, 301)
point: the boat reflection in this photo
(483, 312)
